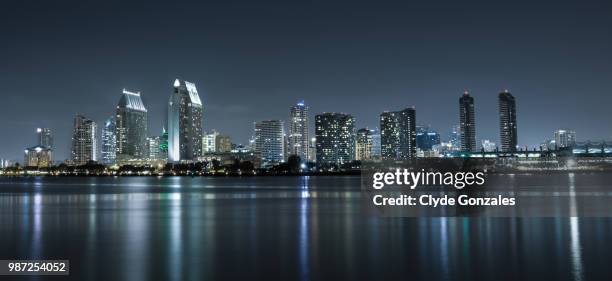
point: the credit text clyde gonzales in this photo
(410, 180)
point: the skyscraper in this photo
(184, 123)
(467, 123)
(298, 131)
(426, 138)
(84, 141)
(398, 134)
(269, 142)
(131, 127)
(109, 142)
(363, 144)
(209, 142)
(45, 137)
(375, 144)
(334, 136)
(223, 143)
(507, 122)
(454, 138)
(565, 138)
(38, 156)
(153, 148)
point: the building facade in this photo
(209, 142)
(269, 142)
(363, 144)
(334, 134)
(565, 138)
(398, 134)
(131, 127)
(109, 142)
(223, 144)
(426, 138)
(507, 122)
(467, 123)
(38, 156)
(84, 141)
(185, 113)
(298, 131)
(45, 137)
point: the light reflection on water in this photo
(305, 228)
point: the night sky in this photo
(251, 60)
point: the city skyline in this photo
(354, 58)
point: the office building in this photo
(45, 137)
(363, 145)
(398, 134)
(269, 142)
(334, 134)
(209, 142)
(38, 156)
(223, 143)
(507, 122)
(298, 131)
(185, 115)
(84, 141)
(487, 146)
(467, 123)
(131, 127)
(565, 138)
(426, 138)
(109, 142)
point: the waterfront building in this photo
(565, 138)
(109, 142)
(209, 142)
(185, 113)
(398, 134)
(426, 138)
(363, 144)
(154, 148)
(334, 134)
(507, 122)
(84, 141)
(376, 154)
(298, 131)
(269, 142)
(488, 146)
(131, 127)
(467, 123)
(223, 143)
(312, 150)
(45, 137)
(38, 156)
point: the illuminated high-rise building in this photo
(223, 143)
(269, 142)
(334, 134)
(84, 141)
(398, 134)
(467, 122)
(209, 142)
(38, 156)
(109, 142)
(565, 138)
(185, 115)
(426, 138)
(298, 131)
(363, 144)
(45, 137)
(507, 122)
(131, 127)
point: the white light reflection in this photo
(575, 248)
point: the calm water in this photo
(280, 228)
